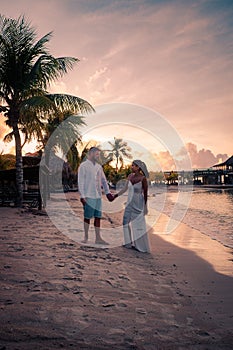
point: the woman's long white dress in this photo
(134, 223)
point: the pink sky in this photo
(174, 57)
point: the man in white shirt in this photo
(91, 180)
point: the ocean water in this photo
(208, 210)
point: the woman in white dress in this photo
(134, 223)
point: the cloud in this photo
(204, 158)
(174, 64)
(97, 75)
(173, 57)
(165, 160)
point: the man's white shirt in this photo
(91, 180)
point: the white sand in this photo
(57, 294)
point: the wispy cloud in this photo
(172, 56)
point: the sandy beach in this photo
(56, 293)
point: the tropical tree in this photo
(119, 151)
(63, 138)
(26, 70)
(157, 177)
(7, 161)
(172, 178)
(67, 133)
(114, 176)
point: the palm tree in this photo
(119, 151)
(67, 134)
(63, 137)
(26, 70)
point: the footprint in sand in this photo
(141, 315)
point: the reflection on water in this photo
(209, 211)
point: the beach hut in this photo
(226, 169)
(227, 165)
(219, 175)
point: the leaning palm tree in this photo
(26, 70)
(63, 134)
(119, 151)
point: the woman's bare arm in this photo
(123, 190)
(145, 189)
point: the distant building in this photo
(219, 174)
(227, 165)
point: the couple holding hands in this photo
(91, 181)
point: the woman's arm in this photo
(145, 194)
(123, 190)
(145, 189)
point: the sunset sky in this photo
(174, 57)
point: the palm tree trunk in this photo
(19, 166)
(117, 160)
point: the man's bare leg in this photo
(86, 229)
(98, 238)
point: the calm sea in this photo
(209, 210)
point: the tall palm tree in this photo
(119, 151)
(26, 70)
(63, 137)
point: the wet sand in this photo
(56, 293)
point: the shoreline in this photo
(58, 294)
(199, 243)
(205, 224)
(225, 245)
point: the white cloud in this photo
(97, 75)
(171, 57)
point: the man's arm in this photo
(104, 183)
(81, 182)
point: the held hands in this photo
(111, 197)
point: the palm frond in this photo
(8, 137)
(39, 48)
(48, 68)
(72, 103)
(42, 105)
